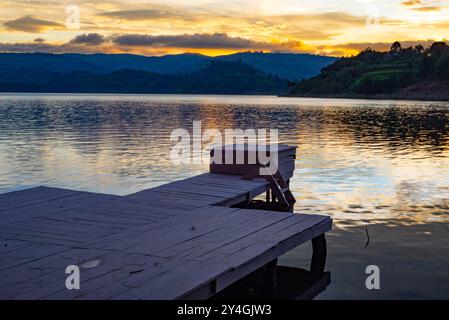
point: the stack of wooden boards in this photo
(241, 159)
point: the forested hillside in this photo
(216, 77)
(403, 73)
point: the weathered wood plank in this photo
(192, 276)
(169, 230)
(43, 208)
(215, 265)
(31, 196)
(203, 190)
(53, 271)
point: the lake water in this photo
(380, 168)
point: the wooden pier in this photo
(188, 239)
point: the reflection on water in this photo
(381, 163)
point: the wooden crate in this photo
(242, 159)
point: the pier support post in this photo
(264, 280)
(319, 254)
(271, 270)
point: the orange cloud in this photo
(145, 14)
(411, 3)
(428, 9)
(31, 24)
(423, 6)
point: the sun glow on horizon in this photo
(215, 28)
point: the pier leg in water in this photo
(262, 282)
(319, 254)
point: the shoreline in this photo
(340, 97)
(377, 97)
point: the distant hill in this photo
(401, 73)
(214, 77)
(289, 66)
(169, 64)
(292, 67)
(62, 63)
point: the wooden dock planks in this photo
(150, 264)
(201, 191)
(176, 241)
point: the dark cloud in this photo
(31, 24)
(94, 42)
(29, 47)
(197, 41)
(89, 39)
(40, 45)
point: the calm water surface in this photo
(380, 168)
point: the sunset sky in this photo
(214, 27)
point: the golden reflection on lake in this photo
(357, 160)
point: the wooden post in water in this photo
(319, 254)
